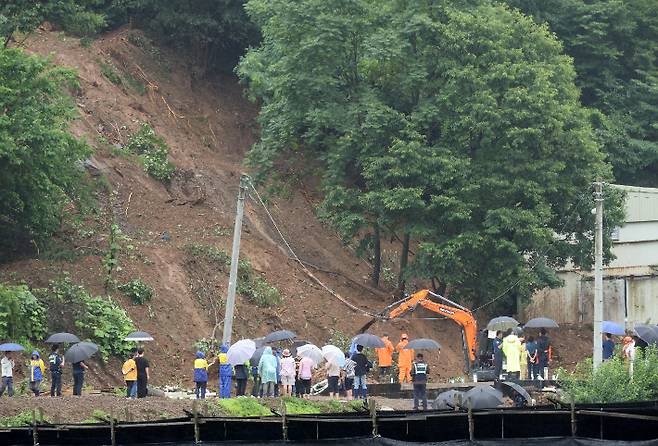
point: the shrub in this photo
(207, 345)
(611, 382)
(211, 253)
(98, 318)
(21, 314)
(137, 290)
(39, 157)
(19, 420)
(110, 73)
(154, 153)
(255, 288)
(250, 284)
(242, 407)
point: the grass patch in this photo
(297, 406)
(153, 152)
(22, 419)
(250, 284)
(136, 84)
(137, 290)
(242, 407)
(110, 73)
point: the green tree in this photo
(614, 44)
(213, 31)
(456, 125)
(79, 17)
(38, 155)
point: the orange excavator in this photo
(446, 308)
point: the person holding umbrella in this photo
(78, 376)
(143, 373)
(544, 346)
(76, 355)
(241, 378)
(7, 364)
(56, 362)
(608, 346)
(360, 371)
(498, 354)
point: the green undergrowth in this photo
(250, 284)
(241, 407)
(22, 419)
(252, 407)
(153, 152)
(297, 406)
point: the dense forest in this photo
(468, 132)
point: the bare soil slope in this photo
(209, 126)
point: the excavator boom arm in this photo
(460, 315)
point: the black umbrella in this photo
(518, 394)
(502, 323)
(482, 397)
(447, 400)
(62, 338)
(80, 351)
(648, 333)
(541, 322)
(369, 340)
(255, 359)
(280, 335)
(259, 342)
(423, 344)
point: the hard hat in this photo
(404, 336)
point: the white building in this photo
(630, 282)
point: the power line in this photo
(302, 265)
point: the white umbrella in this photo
(311, 351)
(241, 351)
(333, 354)
(138, 336)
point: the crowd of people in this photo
(521, 357)
(278, 373)
(135, 371)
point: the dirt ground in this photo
(209, 126)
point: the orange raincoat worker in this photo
(405, 358)
(385, 356)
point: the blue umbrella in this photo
(11, 348)
(612, 328)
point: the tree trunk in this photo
(377, 253)
(404, 259)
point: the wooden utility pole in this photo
(235, 257)
(598, 275)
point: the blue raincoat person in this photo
(225, 373)
(267, 371)
(200, 375)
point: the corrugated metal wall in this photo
(573, 303)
